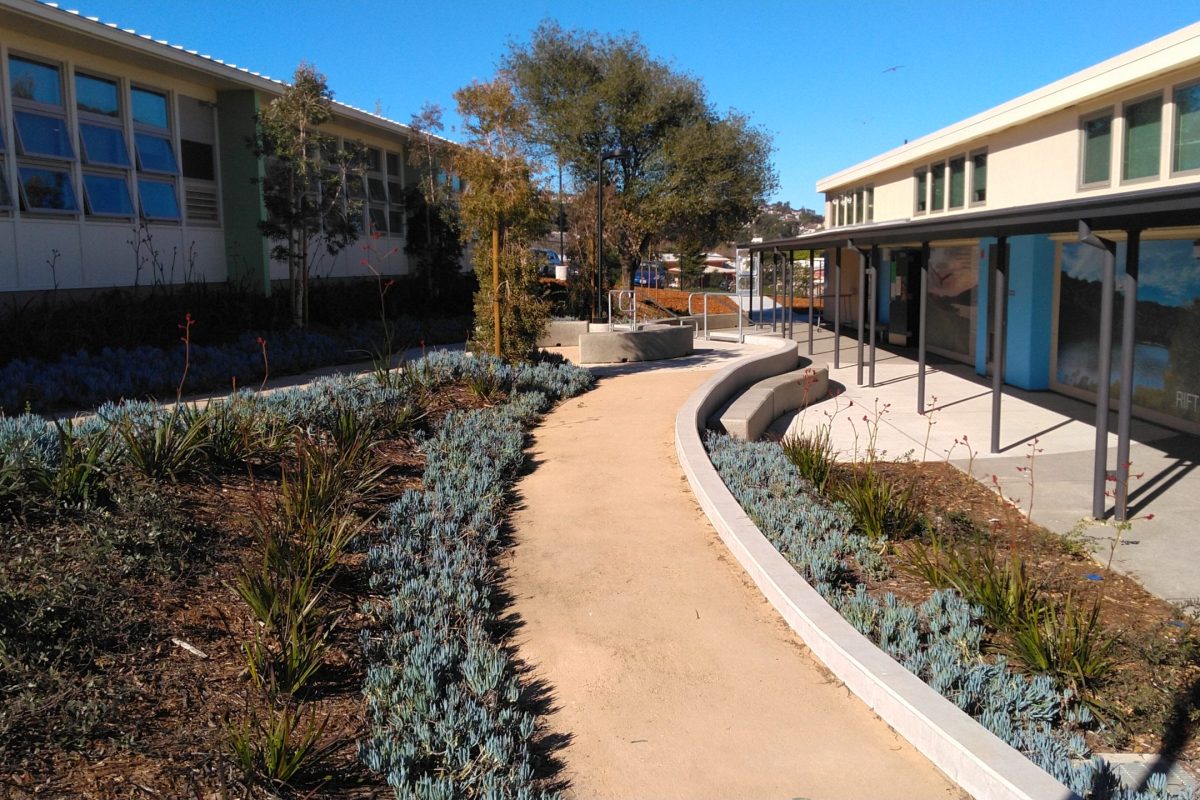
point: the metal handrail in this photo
(621, 295)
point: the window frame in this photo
(972, 172)
(59, 108)
(5, 190)
(1109, 112)
(87, 197)
(1125, 106)
(1174, 143)
(961, 160)
(141, 206)
(937, 171)
(28, 208)
(921, 191)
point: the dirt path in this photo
(670, 673)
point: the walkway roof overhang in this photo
(1166, 207)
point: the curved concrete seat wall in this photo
(652, 343)
(765, 401)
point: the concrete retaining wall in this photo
(652, 343)
(970, 755)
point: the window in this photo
(958, 182)
(154, 153)
(46, 189)
(96, 96)
(1186, 146)
(870, 192)
(379, 220)
(197, 160)
(1143, 137)
(978, 178)
(5, 197)
(34, 82)
(859, 206)
(939, 186)
(150, 108)
(1097, 149)
(102, 144)
(393, 165)
(921, 198)
(107, 195)
(158, 199)
(42, 135)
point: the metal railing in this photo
(631, 309)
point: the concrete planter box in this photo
(563, 333)
(652, 343)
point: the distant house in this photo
(1115, 147)
(116, 148)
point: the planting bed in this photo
(132, 660)
(1142, 697)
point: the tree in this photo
(688, 171)
(433, 239)
(503, 210)
(304, 183)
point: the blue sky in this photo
(811, 74)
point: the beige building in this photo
(1057, 235)
(125, 160)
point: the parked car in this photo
(547, 261)
(653, 276)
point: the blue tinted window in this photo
(43, 135)
(103, 145)
(154, 153)
(31, 80)
(96, 95)
(149, 108)
(158, 199)
(47, 189)
(107, 194)
(5, 198)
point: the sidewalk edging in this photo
(970, 755)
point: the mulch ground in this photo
(1150, 699)
(167, 734)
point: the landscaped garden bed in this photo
(1050, 650)
(193, 601)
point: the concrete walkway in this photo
(669, 672)
(1161, 553)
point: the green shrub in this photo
(280, 749)
(1064, 640)
(1000, 587)
(881, 510)
(164, 448)
(813, 455)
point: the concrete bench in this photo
(760, 404)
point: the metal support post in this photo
(1133, 246)
(1103, 366)
(862, 307)
(921, 328)
(998, 335)
(837, 307)
(873, 272)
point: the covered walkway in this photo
(668, 671)
(1161, 553)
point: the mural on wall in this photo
(953, 295)
(1166, 355)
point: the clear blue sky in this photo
(811, 74)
